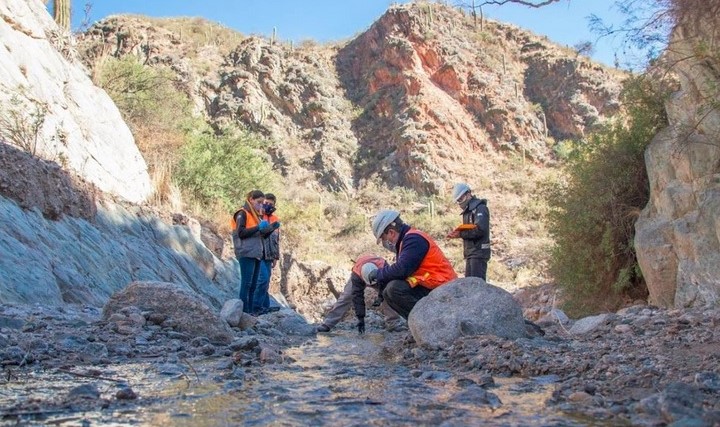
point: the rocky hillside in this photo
(422, 98)
(425, 97)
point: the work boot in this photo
(323, 328)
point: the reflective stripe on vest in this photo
(364, 259)
(435, 269)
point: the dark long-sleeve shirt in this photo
(414, 249)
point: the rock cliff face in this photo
(678, 233)
(52, 109)
(422, 98)
(441, 96)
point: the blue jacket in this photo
(414, 249)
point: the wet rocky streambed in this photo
(641, 366)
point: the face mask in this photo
(258, 206)
(388, 245)
(464, 204)
(269, 209)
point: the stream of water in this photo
(338, 379)
(342, 379)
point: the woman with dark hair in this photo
(247, 236)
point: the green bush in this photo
(224, 167)
(146, 96)
(592, 214)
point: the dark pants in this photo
(249, 270)
(402, 298)
(476, 267)
(261, 298)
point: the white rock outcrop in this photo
(81, 128)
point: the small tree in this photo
(592, 214)
(223, 167)
(584, 48)
(22, 119)
(145, 95)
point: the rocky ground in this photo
(644, 365)
(639, 366)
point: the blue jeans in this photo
(249, 272)
(261, 298)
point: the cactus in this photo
(262, 115)
(429, 16)
(61, 13)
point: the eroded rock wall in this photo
(678, 233)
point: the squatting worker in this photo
(476, 240)
(354, 293)
(420, 264)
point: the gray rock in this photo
(588, 324)
(465, 307)
(85, 391)
(193, 315)
(11, 322)
(103, 151)
(232, 311)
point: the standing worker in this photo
(476, 240)
(420, 264)
(248, 244)
(271, 255)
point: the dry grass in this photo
(199, 32)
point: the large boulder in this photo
(186, 311)
(463, 307)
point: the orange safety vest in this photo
(251, 220)
(272, 218)
(435, 269)
(366, 258)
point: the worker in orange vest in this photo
(420, 264)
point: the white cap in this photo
(381, 220)
(459, 189)
(366, 269)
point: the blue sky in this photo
(564, 22)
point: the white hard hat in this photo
(381, 220)
(366, 269)
(459, 189)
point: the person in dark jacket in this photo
(476, 239)
(271, 255)
(420, 264)
(247, 236)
